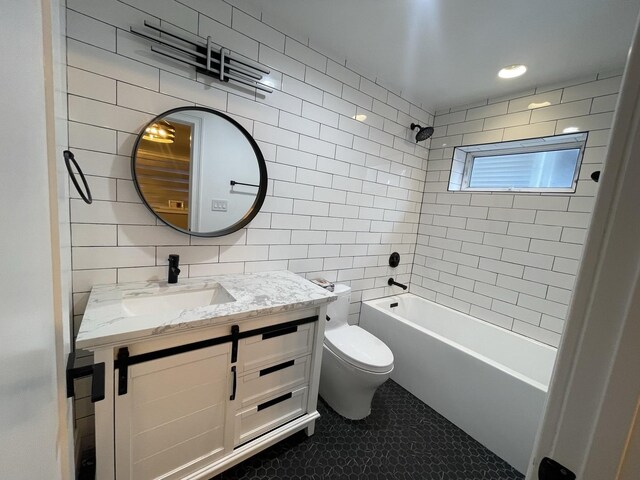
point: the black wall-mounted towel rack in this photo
(86, 194)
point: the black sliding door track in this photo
(125, 361)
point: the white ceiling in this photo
(447, 52)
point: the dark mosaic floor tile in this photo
(402, 439)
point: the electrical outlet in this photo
(219, 205)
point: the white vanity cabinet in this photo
(192, 405)
(203, 374)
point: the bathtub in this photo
(488, 381)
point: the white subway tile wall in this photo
(511, 258)
(342, 195)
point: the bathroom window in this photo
(549, 164)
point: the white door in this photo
(35, 440)
(588, 426)
(174, 416)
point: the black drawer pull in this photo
(282, 331)
(275, 368)
(275, 401)
(393, 305)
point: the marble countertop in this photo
(106, 321)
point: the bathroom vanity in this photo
(202, 374)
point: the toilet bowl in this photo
(354, 362)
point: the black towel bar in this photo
(68, 159)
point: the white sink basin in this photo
(146, 304)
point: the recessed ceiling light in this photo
(512, 71)
(571, 130)
(534, 105)
(361, 117)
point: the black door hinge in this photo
(551, 470)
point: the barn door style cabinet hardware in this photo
(229, 392)
(208, 58)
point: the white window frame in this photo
(468, 154)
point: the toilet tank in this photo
(338, 311)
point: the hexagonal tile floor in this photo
(402, 439)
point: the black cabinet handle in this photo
(275, 401)
(275, 368)
(235, 383)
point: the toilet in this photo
(354, 362)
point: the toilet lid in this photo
(359, 348)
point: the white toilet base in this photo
(347, 389)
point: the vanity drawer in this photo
(271, 380)
(265, 416)
(278, 346)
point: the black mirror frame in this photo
(262, 189)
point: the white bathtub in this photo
(488, 381)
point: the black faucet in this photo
(393, 282)
(174, 271)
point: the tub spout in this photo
(393, 282)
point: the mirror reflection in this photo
(199, 171)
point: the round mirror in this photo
(199, 171)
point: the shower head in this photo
(423, 132)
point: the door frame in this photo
(36, 314)
(195, 177)
(593, 397)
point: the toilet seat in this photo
(359, 348)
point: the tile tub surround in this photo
(342, 194)
(511, 258)
(256, 294)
